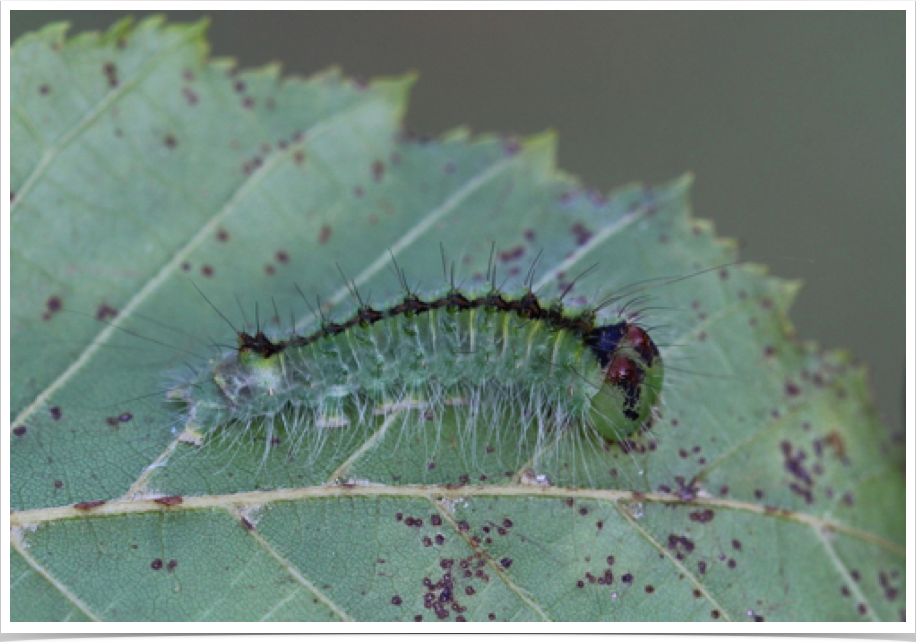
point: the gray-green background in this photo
(792, 122)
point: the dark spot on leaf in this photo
(715, 614)
(702, 516)
(732, 563)
(105, 312)
(792, 389)
(680, 543)
(378, 171)
(156, 564)
(206, 271)
(222, 235)
(88, 505)
(170, 141)
(190, 96)
(505, 562)
(650, 588)
(701, 567)
(53, 306)
(58, 483)
(172, 565)
(111, 73)
(44, 90)
(325, 234)
(171, 500)
(582, 234)
(627, 578)
(396, 600)
(185, 266)
(270, 269)
(282, 257)
(512, 254)
(697, 593)
(56, 413)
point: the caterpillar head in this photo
(633, 375)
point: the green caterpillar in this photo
(495, 357)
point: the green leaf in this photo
(766, 488)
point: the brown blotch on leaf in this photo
(171, 500)
(88, 505)
(378, 171)
(702, 516)
(190, 96)
(324, 234)
(111, 73)
(52, 307)
(105, 312)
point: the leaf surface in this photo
(765, 489)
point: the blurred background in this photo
(793, 123)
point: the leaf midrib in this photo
(34, 517)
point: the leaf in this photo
(765, 490)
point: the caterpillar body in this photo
(495, 357)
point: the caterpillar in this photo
(490, 355)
